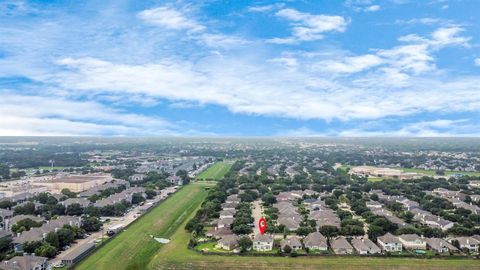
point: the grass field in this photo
(134, 248)
(215, 172)
(375, 179)
(432, 172)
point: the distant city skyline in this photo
(240, 68)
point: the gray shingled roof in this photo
(315, 239)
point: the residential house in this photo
(365, 246)
(325, 217)
(474, 184)
(218, 233)
(389, 243)
(4, 215)
(293, 242)
(15, 219)
(233, 199)
(38, 234)
(262, 242)
(227, 213)
(228, 242)
(431, 220)
(229, 206)
(440, 245)
(175, 180)
(412, 241)
(81, 201)
(374, 205)
(340, 245)
(389, 216)
(138, 177)
(291, 223)
(466, 242)
(316, 241)
(26, 262)
(5, 235)
(225, 222)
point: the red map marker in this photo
(262, 225)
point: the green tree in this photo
(46, 250)
(328, 231)
(374, 232)
(120, 209)
(29, 247)
(65, 236)
(74, 209)
(68, 193)
(25, 225)
(5, 244)
(52, 239)
(6, 204)
(245, 243)
(92, 211)
(150, 193)
(27, 208)
(4, 171)
(91, 224)
(137, 198)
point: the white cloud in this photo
(265, 8)
(372, 8)
(245, 86)
(398, 63)
(425, 20)
(175, 19)
(414, 58)
(349, 64)
(449, 36)
(287, 61)
(308, 27)
(170, 18)
(362, 5)
(477, 62)
(42, 115)
(220, 40)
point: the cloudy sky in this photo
(240, 68)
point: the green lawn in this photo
(344, 167)
(215, 172)
(432, 172)
(375, 179)
(134, 248)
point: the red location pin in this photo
(262, 225)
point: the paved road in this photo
(125, 220)
(257, 211)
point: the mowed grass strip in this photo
(176, 255)
(133, 248)
(215, 172)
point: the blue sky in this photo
(240, 68)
